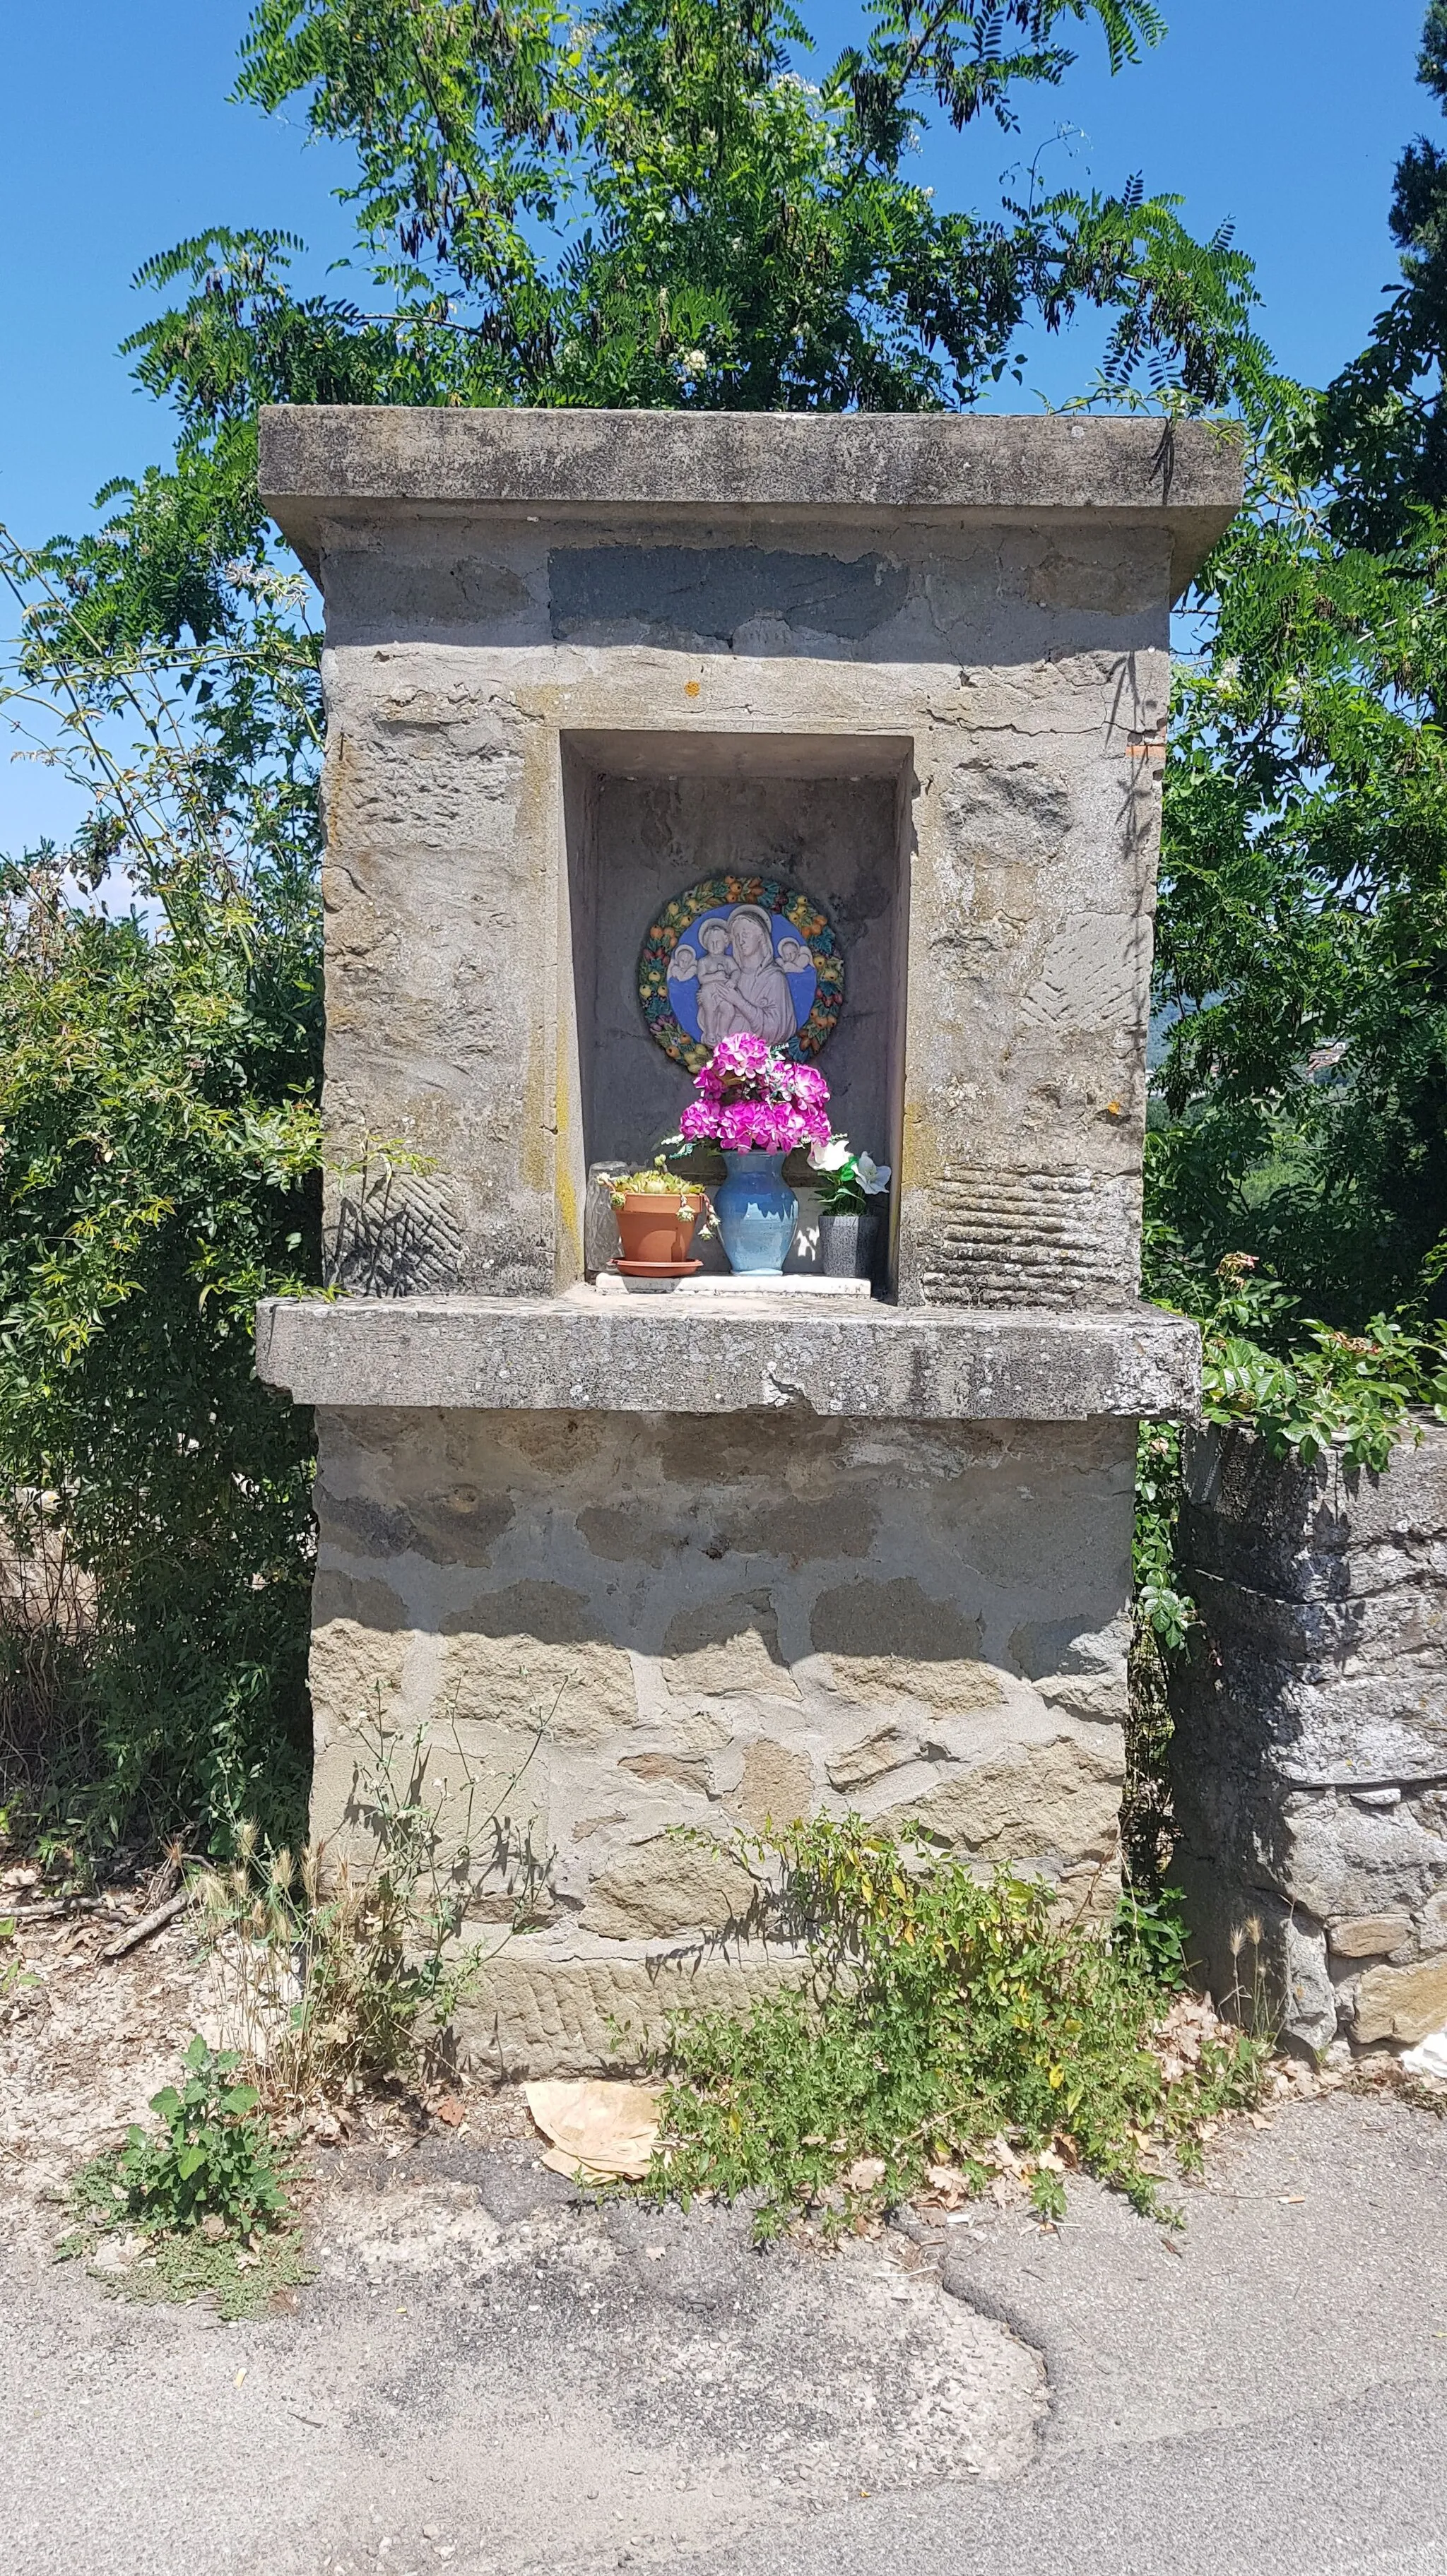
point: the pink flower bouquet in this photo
(753, 1099)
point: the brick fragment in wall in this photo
(1368, 1936)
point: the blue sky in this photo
(1283, 115)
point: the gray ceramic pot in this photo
(849, 1245)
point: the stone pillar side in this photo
(1310, 1752)
(599, 1627)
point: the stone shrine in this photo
(626, 1562)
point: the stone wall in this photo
(1310, 1755)
(606, 1625)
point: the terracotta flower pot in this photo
(651, 1227)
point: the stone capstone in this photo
(595, 1354)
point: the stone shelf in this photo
(842, 1358)
(717, 1287)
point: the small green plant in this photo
(214, 2159)
(16, 1981)
(1153, 1930)
(198, 2205)
(659, 1183)
(946, 2024)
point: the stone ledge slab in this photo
(582, 1353)
(318, 461)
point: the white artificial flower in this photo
(871, 1176)
(830, 1157)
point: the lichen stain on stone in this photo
(684, 1770)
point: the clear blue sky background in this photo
(1283, 115)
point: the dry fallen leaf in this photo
(451, 2110)
(863, 2174)
(599, 2132)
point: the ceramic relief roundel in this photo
(736, 953)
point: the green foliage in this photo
(653, 208)
(204, 2202)
(1159, 1604)
(1304, 1386)
(16, 1980)
(1301, 1108)
(213, 2160)
(1302, 944)
(159, 1070)
(943, 2017)
(238, 2282)
(1380, 434)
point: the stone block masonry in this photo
(619, 1566)
(605, 1626)
(1310, 1755)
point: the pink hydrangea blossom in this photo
(750, 1098)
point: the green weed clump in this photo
(205, 2194)
(945, 2024)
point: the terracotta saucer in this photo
(656, 1269)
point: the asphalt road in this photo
(487, 2376)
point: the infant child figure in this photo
(717, 975)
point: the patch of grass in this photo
(946, 2024)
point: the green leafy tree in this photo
(159, 1053)
(1302, 937)
(1380, 437)
(653, 207)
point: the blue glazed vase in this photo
(757, 1214)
